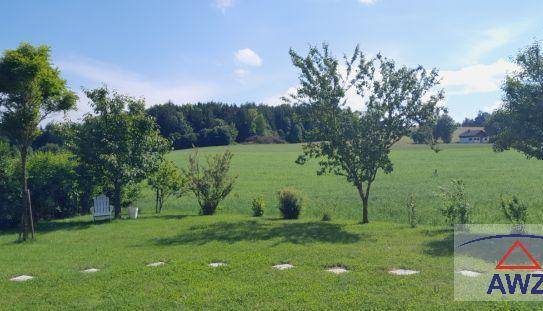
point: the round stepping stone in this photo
(469, 273)
(403, 272)
(21, 278)
(283, 266)
(217, 264)
(337, 270)
(90, 270)
(156, 264)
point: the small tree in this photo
(411, 208)
(456, 207)
(30, 90)
(166, 181)
(519, 123)
(357, 144)
(120, 145)
(210, 184)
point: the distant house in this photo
(473, 136)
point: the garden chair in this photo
(101, 208)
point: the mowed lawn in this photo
(187, 243)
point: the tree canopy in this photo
(120, 143)
(357, 144)
(30, 90)
(518, 123)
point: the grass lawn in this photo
(188, 242)
(250, 246)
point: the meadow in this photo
(264, 169)
(187, 242)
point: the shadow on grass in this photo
(168, 217)
(232, 232)
(441, 247)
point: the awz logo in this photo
(518, 280)
(512, 282)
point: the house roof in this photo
(473, 133)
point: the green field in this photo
(188, 242)
(264, 169)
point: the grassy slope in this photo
(250, 246)
(264, 169)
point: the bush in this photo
(411, 211)
(265, 140)
(216, 136)
(514, 210)
(326, 216)
(258, 206)
(290, 203)
(10, 199)
(52, 182)
(456, 208)
(210, 184)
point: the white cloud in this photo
(476, 78)
(223, 4)
(367, 2)
(491, 108)
(248, 57)
(277, 100)
(94, 73)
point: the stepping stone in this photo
(91, 270)
(403, 272)
(21, 278)
(156, 264)
(337, 270)
(217, 264)
(469, 273)
(283, 266)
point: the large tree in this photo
(357, 144)
(30, 90)
(119, 144)
(518, 124)
(444, 128)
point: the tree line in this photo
(218, 124)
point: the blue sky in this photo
(236, 51)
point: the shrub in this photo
(210, 184)
(265, 140)
(514, 210)
(456, 208)
(258, 206)
(411, 211)
(53, 185)
(10, 191)
(216, 136)
(326, 216)
(290, 203)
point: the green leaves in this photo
(518, 124)
(357, 144)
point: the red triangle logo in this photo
(517, 244)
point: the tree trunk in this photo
(364, 197)
(25, 213)
(117, 199)
(156, 201)
(85, 202)
(365, 219)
